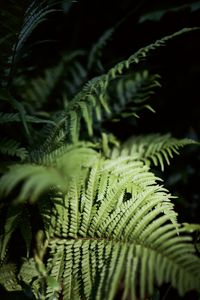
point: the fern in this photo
(39, 178)
(13, 148)
(157, 15)
(92, 102)
(8, 277)
(96, 51)
(102, 218)
(93, 98)
(97, 234)
(68, 75)
(23, 20)
(100, 240)
(153, 149)
(131, 92)
(17, 217)
(15, 117)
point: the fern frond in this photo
(13, 148)
(23, 20)
(153, 149)
(16, 117)
(130, 93)
(158, 14)
(67, 75)
(12, 222)
(17, 216)
(8, 277)
(95, 94)
(96, 51)
(37, 180)
(55, 172)
(117, 239)
(28, 271)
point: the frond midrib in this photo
(127, 243)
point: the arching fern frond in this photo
(17, 217)
(13, 148)
(96, 51)
(67, 75)
(125, 95)
(103, 237)
(93, 102)
(130, 93)
(20, 21)
(54, 172)
(153, 148)
(16, 117)
(93, 99)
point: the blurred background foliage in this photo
(79, 24)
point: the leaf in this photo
(157, 15)
(117, 239)
(8, 277)
(153, 149)
(13, 148)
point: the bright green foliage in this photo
(55, 171)
(152, 149)
(88, 212)
(113, 220)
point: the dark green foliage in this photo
(85, 207)
(18, 22)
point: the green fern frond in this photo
(55, 172)
(16, 117)
(95, 94)
(37, 180)
(153, 149)
(17, 216)
(113, 239)
(22, 21)
(101, 83)
(158, 14)
(130, 93)
(93, 102)
(28, 271)
(67, 75)
(96, 51)
(13, 148)
(8, 277)
(126, 96)
(12, 222)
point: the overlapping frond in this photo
(13, 148)
(54, 172)
(154, 149)
(103, 236)
(104, 216)
(17, 217)
(96, 51)
(16, 117)
(8, 277)
(67, 75)
(19, 21)
(93, 101)
(130, 93)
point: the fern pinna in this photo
(86, 209)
